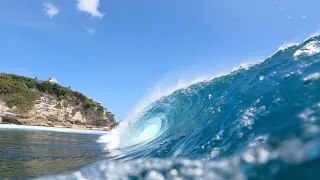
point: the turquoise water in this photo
(33, 153)
(261, 121)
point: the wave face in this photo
(258, 122)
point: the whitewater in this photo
(53, 129)
(261, 121)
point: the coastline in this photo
(35, 102)
(53, 124)
(59, 124)
(55, 129)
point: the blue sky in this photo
(115, 50)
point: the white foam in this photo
(245, 66)
(40, 128)
(313, 35)
(292, 44)
(312, 76)
(287, 45)
(309, 49)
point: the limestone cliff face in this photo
(31, 101)
(50, 111)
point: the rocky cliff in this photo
(30, 101)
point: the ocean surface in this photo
(29, 152)
(260, 121)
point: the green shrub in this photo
(65, 104)
(40, 118)
(22, 92)
(65, 93)
(53, 89)
(17, 91)
(100, 109)
(23, 101)
(110, 116)
(87, 103)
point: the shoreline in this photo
(55, 129)
(53, 124)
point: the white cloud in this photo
(91, 30)
(90, 6)
(50, 9)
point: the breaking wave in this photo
(261, 121)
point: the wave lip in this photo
(288, 45)
(259, 121)
(309, 49)
(168, 104)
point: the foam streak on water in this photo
(55, 129)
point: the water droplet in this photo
(154, 175)
(102, 167)
(240, 134)
(174, 172)
(313, 76)
(276, 100)
(261, 78)
(286, 76)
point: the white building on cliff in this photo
(52, 81)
